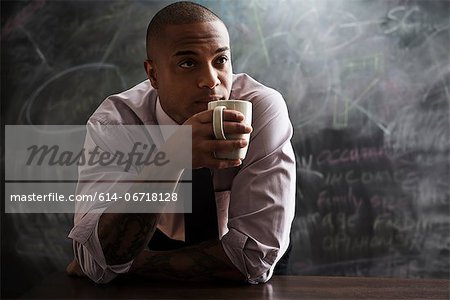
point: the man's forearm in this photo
(123, 236)
(201, 262)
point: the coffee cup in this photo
(245, 107)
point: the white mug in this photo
(245, 107)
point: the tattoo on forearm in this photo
(124, 236)
(196, 263)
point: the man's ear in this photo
(151, 72)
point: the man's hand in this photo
(204, 143)
(74, 269)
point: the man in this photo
(188, 65)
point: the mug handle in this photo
(218, 122)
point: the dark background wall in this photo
(367, 84)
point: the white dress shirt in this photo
(255, 201)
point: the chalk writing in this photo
(326, 202)
(353, 155)
(411, 24)
(343, 246)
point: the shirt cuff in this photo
(93, 263)
(256, 264)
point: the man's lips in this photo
(209, 99)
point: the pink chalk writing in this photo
(342, 156)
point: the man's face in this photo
(191, 66)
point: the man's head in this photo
(189, 59)
(178, 13)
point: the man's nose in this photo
(209, 78)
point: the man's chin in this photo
(200, 106)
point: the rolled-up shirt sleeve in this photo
(86, 245)
(95, 179)
(91, 259)
(262, 198)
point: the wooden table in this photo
(60, 286)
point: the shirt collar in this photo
(164, 119)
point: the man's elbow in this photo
(252, 264)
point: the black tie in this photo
(201, 224)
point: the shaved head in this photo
(178, 13)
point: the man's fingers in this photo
(206, 129)
(236, 128)
(204, 153)
(228, 115)
(233, 115)
(224, 145)
(228, 128)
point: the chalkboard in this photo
(367, 85)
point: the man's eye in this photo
(222, 60)
(187, 64)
